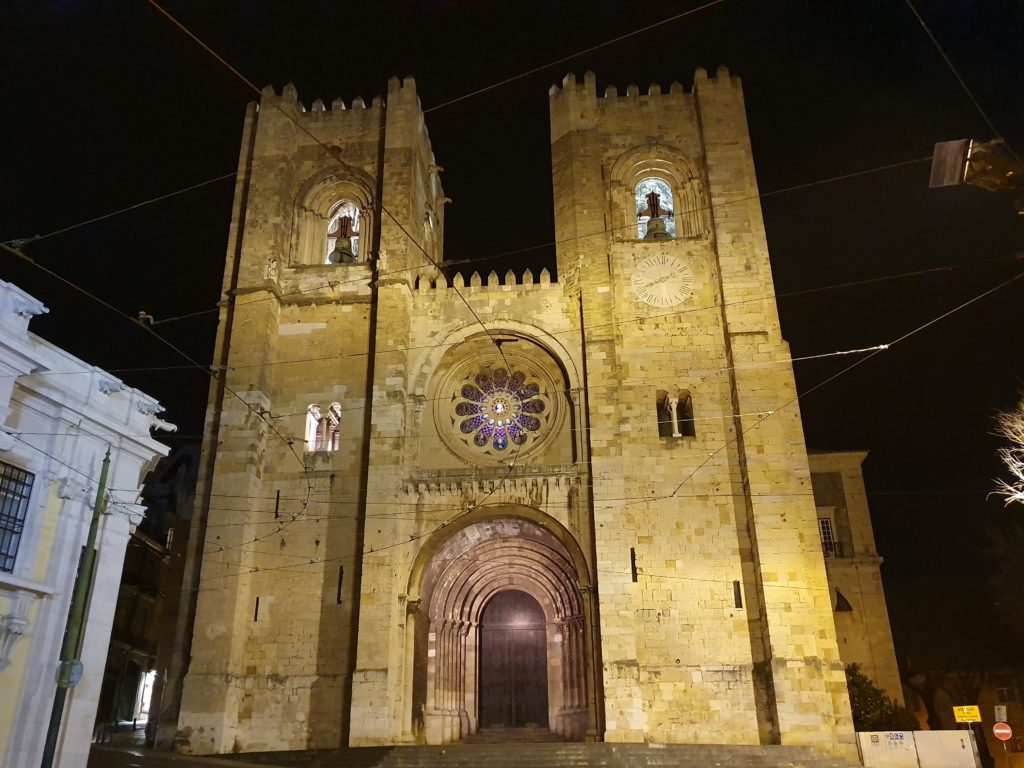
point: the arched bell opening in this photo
(459, 627)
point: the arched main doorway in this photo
(501, 632)
(513, 662)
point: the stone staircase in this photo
(545, 753)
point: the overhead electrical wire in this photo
(436, 265)
(18, 242)
(604, 503)
(624, 321)
(571, 56)
(554, 243)
(23, 241)
(154, 334)
(378, 203)
(959, 78)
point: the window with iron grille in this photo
(15, 488)
(828, 537)
(1006, 691)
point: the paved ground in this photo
(131, 756)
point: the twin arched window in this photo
(675, 414)
(323, 431)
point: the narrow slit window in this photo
(737, 594)
(341, 581)
(664, 412)
(684, 414)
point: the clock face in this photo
(662, 281)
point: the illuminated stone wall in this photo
(682, 660)
(700, 610)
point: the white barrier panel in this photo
(887, 749)
(918, 749)
(939, 749)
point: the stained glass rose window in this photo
(496, 408)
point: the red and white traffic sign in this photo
(1002, 731)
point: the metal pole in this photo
(76, 620)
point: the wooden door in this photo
(513, 662)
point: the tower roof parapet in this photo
(587, 86)
(404, 89)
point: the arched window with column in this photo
(675, 413)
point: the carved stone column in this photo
(673, 404)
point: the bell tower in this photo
(337, 210)
(715, 612)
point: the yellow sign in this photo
(967, 714)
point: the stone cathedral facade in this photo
(440, 503)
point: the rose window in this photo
(497, 408)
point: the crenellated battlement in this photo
(587, 87)
(427, 282)
(398, 89)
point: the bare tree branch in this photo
(1010, 425)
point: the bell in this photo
(656, 230)
(342, 253)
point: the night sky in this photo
(106, 104)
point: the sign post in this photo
(1004, 733)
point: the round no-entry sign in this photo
(1002, 731)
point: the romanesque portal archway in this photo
(501, 604)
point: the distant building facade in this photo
(58, 415)
(853, 566)
(441, 503)
(152, 620)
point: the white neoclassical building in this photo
(58, 416)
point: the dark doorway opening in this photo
(513, 663)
